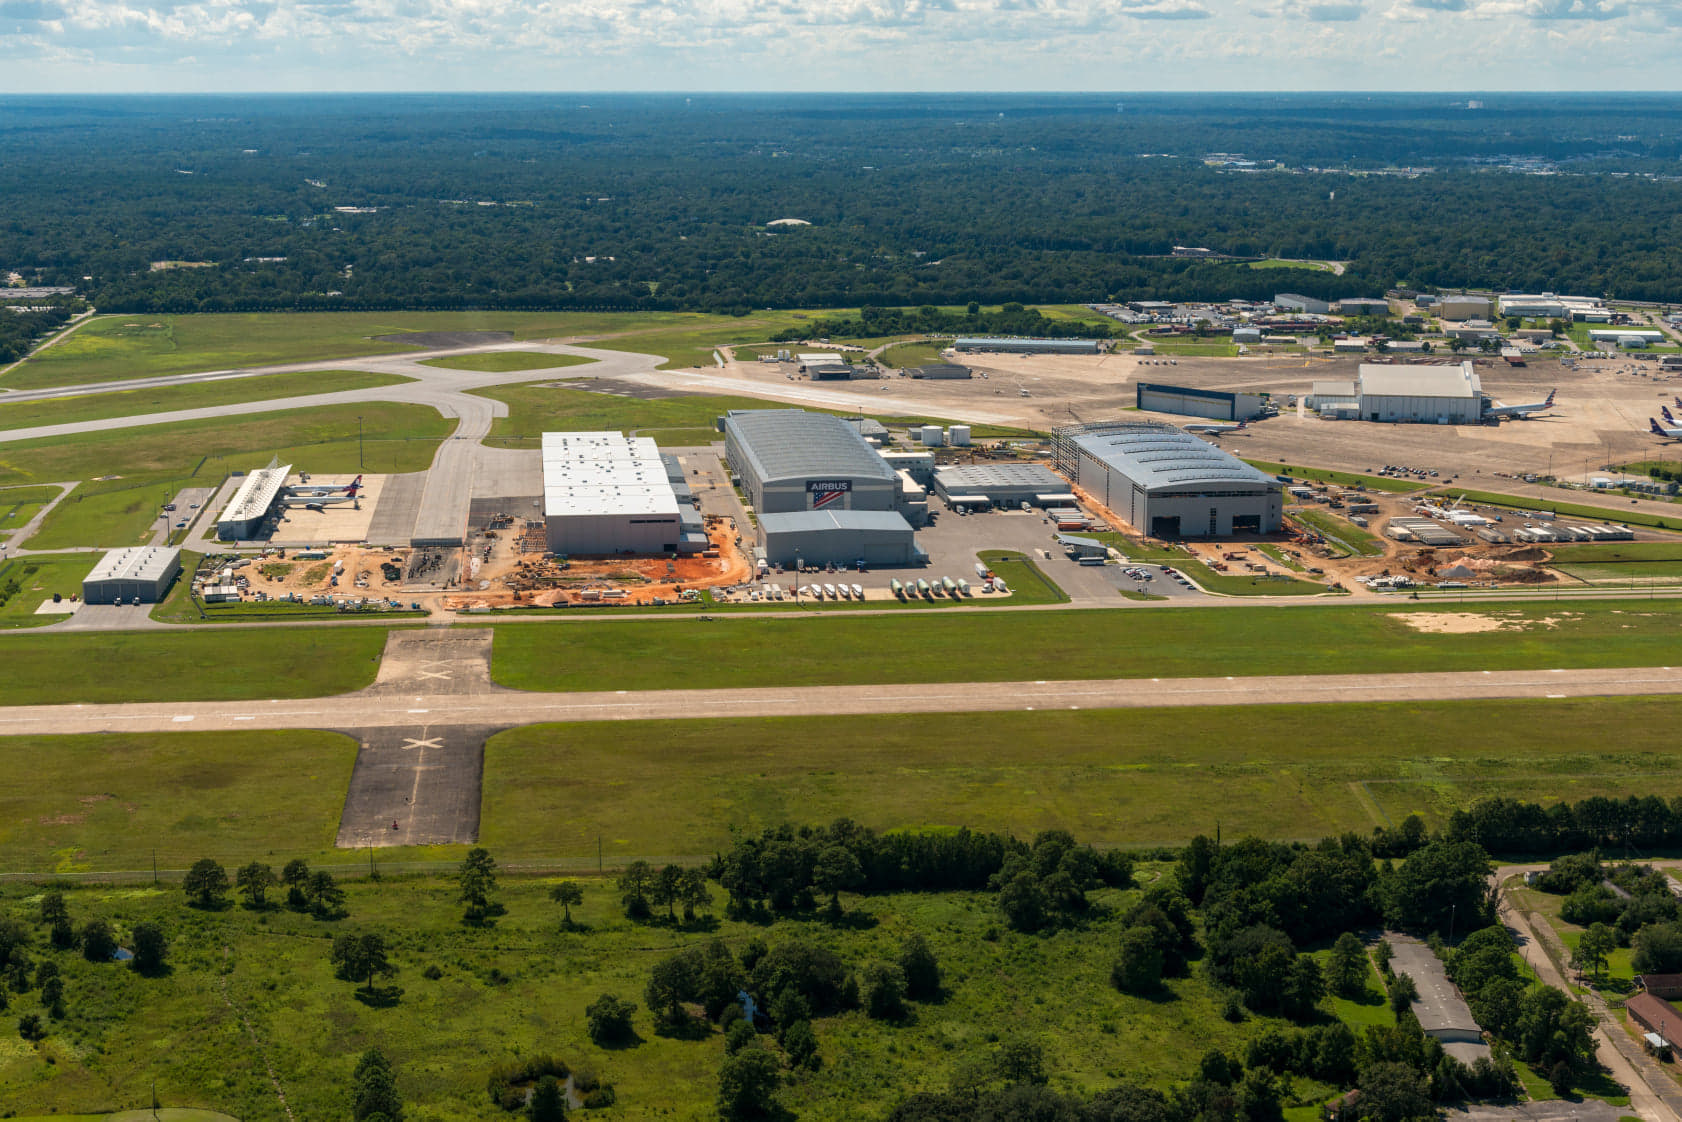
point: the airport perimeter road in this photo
(385, 707)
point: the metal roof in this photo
(811, 521)
(1163, 458)
(599, 473)
(982, 477)
(795, 444)
(139, 563)
(257, 494)
(1459, 380)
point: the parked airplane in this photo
(316, 499)
(1521, 412)
(1673, 432)
(322, 490)
(1213, 428)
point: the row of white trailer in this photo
(1561, 533)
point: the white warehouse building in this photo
(1450, 395)
(606, 493)
(1167, 483)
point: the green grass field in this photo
(20, 504)
(1573, 510)
(202, 395)
(1120, 777)
(913, 354)
(245, 988)
(1027, 582)
(150, 463)
(40, 577)
(1236, 640)
(1279, 263)
(109, 802)
(1172, 348)
(235, 664)
(1607, 554)
(1341, 478)
(504, 362)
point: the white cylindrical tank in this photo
(958, 436)
(933, 437)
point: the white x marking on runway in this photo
(410, 742)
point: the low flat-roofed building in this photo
(1026, 346)
(1459, 308)
(1420, 392)
(1190, 401)
(137, 575)
(1292, 302)
(1001, 484)
(1656, 1015)
(1442, 1012)
(840, 537)
(948, 371)
(1364, 306)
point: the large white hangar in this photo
(1433, 395)
(606, 493)
(256, 498)
(1166, 482)
(1220, 405)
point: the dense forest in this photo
(563, 201)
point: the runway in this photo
(384, 706)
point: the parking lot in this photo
(955, 541)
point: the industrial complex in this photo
(141, 575)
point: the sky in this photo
(130, 46)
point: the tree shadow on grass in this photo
(632, 1039)
(689, 1027)
(379, 997)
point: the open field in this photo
(74, 803)
(1574, 510)
(19, 504)
(1246, 584)
(111, 347)
(914, 354)
(199, 665)
(504, 362)
(1281, 263)
(1616, 553)
(200, 395)
(1028, 584)
(519, 987)
(1135, 777)
(1631, 571)
(40, 577)
(954, 647)
(148, 464)
(1341, 478)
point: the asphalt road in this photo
(383, 707)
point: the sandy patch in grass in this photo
(1470, 623)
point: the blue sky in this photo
(70, 46)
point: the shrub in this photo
(884, 991)
(98, 943)
(609, 1020)
(740, 1035)
(921, 969)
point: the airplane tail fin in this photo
(1550, 400)
(1241, 425)
(1653, 426)
(1664, 411)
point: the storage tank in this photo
(932, 436)
(958, 436)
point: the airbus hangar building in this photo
(820, 493)
(1166, 482)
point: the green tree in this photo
(921, 968)
(99, 943)
(668, 889)
(836, 871)
(694, 894)
(636, 885)
(670, 984)
(361, 958)
(150, 947)
(206, 884)
(1394, 1092)
(884, 991)
(741, 1034)
(1346, 968)
(325, 897)
(53, 908)
(1593, 947)
(1021, 1061)
(747, 1086)
(1138, 963)
(1403, 992)
(609, 1020)
(568, 894)
(30, 1027)
(477, 878)
(254, 881)
(801, 1045)
(548, 1102)
(295, 875)
(374, 1089)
